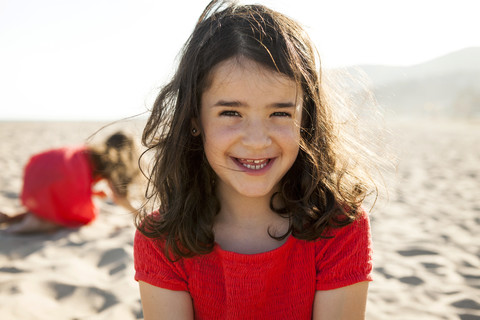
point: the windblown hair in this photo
(116, 161)
(324, 188)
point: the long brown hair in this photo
(323, 189)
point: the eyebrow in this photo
(235, 103)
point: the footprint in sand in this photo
(11, 270)
(467, 304)
(468, 317)
(62, 290)
(413, 281)
(116, 258)
(112, 256)
(416, 252)
(92, 298)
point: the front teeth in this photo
(254, 167)
(254, 164)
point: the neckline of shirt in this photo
(255, 256)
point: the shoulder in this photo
(63, 156)
(148, 250)
(345, 257)
(65, 162)
(142, 242)
(154, 266)
(357, 232)
(65, 150)
(80, 151)
(360, 226)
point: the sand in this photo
(84, 273)
(426, 237)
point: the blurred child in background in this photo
(58, 184)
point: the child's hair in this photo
(324, 188)
(117, 161)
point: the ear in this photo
(195, 131)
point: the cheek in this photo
(216, 141)
(217, 135)
(289, 133)
(293, 148)
(288, 140)
(211, 151)
(291, 140)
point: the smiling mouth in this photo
(254, 164)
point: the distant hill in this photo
(445, 86)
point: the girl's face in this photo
(251, 120)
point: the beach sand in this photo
(426, 237)
(84, 273)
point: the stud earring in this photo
(194, 131)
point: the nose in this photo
(256, 135)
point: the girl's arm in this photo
(346, 303)
(159, 303)
(121, 201)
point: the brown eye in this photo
(230, 113)
(281, 114)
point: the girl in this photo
(57, 187)
(259, 194)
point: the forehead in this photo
(239, 73)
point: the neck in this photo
(248, 212)
(244, 224)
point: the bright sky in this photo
(104, 59)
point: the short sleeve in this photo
(153, 267)
(346, 258)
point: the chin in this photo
(256, 193)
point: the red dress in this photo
(57, 186)
(279, 284)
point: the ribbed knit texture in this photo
(279, 284)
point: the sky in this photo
(106, 59)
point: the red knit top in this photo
(278, 284)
